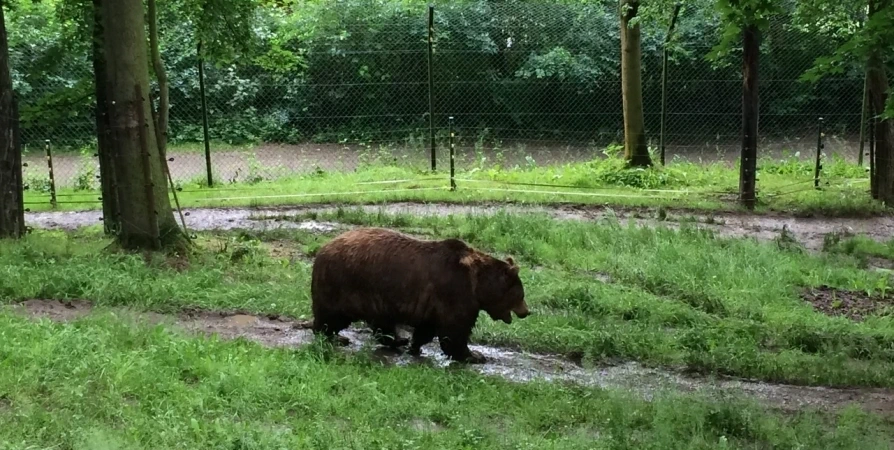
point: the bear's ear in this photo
(513, 269)
(510, 261)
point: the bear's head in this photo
(500, 292)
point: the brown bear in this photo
(386, 278)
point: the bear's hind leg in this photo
(330, 325)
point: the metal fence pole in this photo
(873, 181)
(670, 30)
(751, 41)
(205, 138)
(52, 176)
(431, 87)
(452, 156)
(819, 149)
(863, 122)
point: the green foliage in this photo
(224, 27)
(561, 65)
(614, 172)
(313, 70)
(857, 34)
(737, 14)
(86, 176)
(793, 165)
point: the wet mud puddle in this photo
(515, 366)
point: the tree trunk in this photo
(12, 211)
(161, 116)
(750, 107)
(147, 220)
(877, 84)
(636, 151)
(110, 211)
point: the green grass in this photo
(784, 185)
(677, 299)
(107, 382)
(860, 247)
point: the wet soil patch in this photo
(513, 365)
(808, 231)
(855, 305)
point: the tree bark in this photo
(750, 107)
(12, 211)
(636, 151)
(877, 87)
(161, 116)
(110, 212)
(147, 219)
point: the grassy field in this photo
(677, 299)
(600, 293)
(107, 383)
(784, 185)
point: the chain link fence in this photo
(526, 83)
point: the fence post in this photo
(452, 156)
(205, 138)
(873, 183)
(431, 88)
(819, 148)
(751, 41)
(863, 121)
(52, 176)
(670, 30)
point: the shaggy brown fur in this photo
(387, 278)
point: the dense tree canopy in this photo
(293, 70)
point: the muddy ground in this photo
(273, 161)
(809, 231)
(515, 366)
(855, 305)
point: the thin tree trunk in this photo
(750, 107)
(12, 211)
(106, 159)
(161, 116)
(877, 84)
(636, 151)
(142, 191)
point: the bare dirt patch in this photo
(854, 305)
(809, 232)
(276, 331)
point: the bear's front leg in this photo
(330, 326)
(456, 347)
(388, 336)
(422, 335)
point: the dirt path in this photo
(514, 366)
(808, 231)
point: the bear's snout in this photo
(521, 311)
